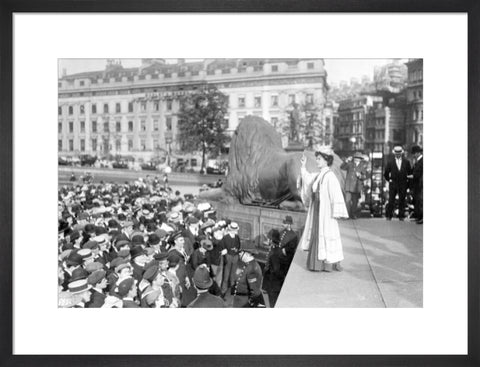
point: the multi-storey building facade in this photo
(414, 95)
(133, 111)
(385, 126)
(350, 131)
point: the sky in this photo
(337, 69)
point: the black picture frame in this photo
(8, 8)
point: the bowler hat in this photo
(74, 258)
(201, 278)
(137, 238)
(137, 251)
(79, 273)
(153, 239)
(416, 149)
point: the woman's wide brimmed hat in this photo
(325, 149)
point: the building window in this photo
(156, 106)
(309, 98)
(130, 126)
(60, 145)
(130, 145)
(258, 101)
(94, 126)
(59, 111)
(118, 126)
(105, 108)
(310, 65)
(130, 106)
(155, 144)
(421, 115)
(241, 101)
(70, 110)
(420, 94)
(291, 98)
(82, 145)
(94, 145)
(274, 68)
(106, 127)
(118, 145)
(82, 126)
(70, 145)
(169, 123)
(82, 83)
(94, 108)
(82, 109)
(169, 105)
(143, 145)
(155, 125)
(59, 127)
(274, 101)
(143, 107)
(70, 127)
(117, 108)
(143, 125)
(274, 121)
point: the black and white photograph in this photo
(266, 169)
(240, 183)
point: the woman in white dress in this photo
(322, 195)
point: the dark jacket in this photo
(249, 279)
(397, 178)
(207, 300)
(354, 183)
(289, 242)
(96, 301)
(418, 175)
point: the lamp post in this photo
(353, 140)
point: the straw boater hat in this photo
(397, 150)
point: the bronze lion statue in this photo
(260, 170)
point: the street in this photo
(185, 182)
(383, 267)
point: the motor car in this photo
(120, 164)
(62, 161)
(149, 166)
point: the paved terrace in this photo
(383, 267)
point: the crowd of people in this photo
(142, 245)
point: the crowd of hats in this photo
(104, 228)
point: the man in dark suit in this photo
(356, 173)
(417, 178)
(396, 173)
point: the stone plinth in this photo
(255, 222)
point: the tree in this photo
(202, 123)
